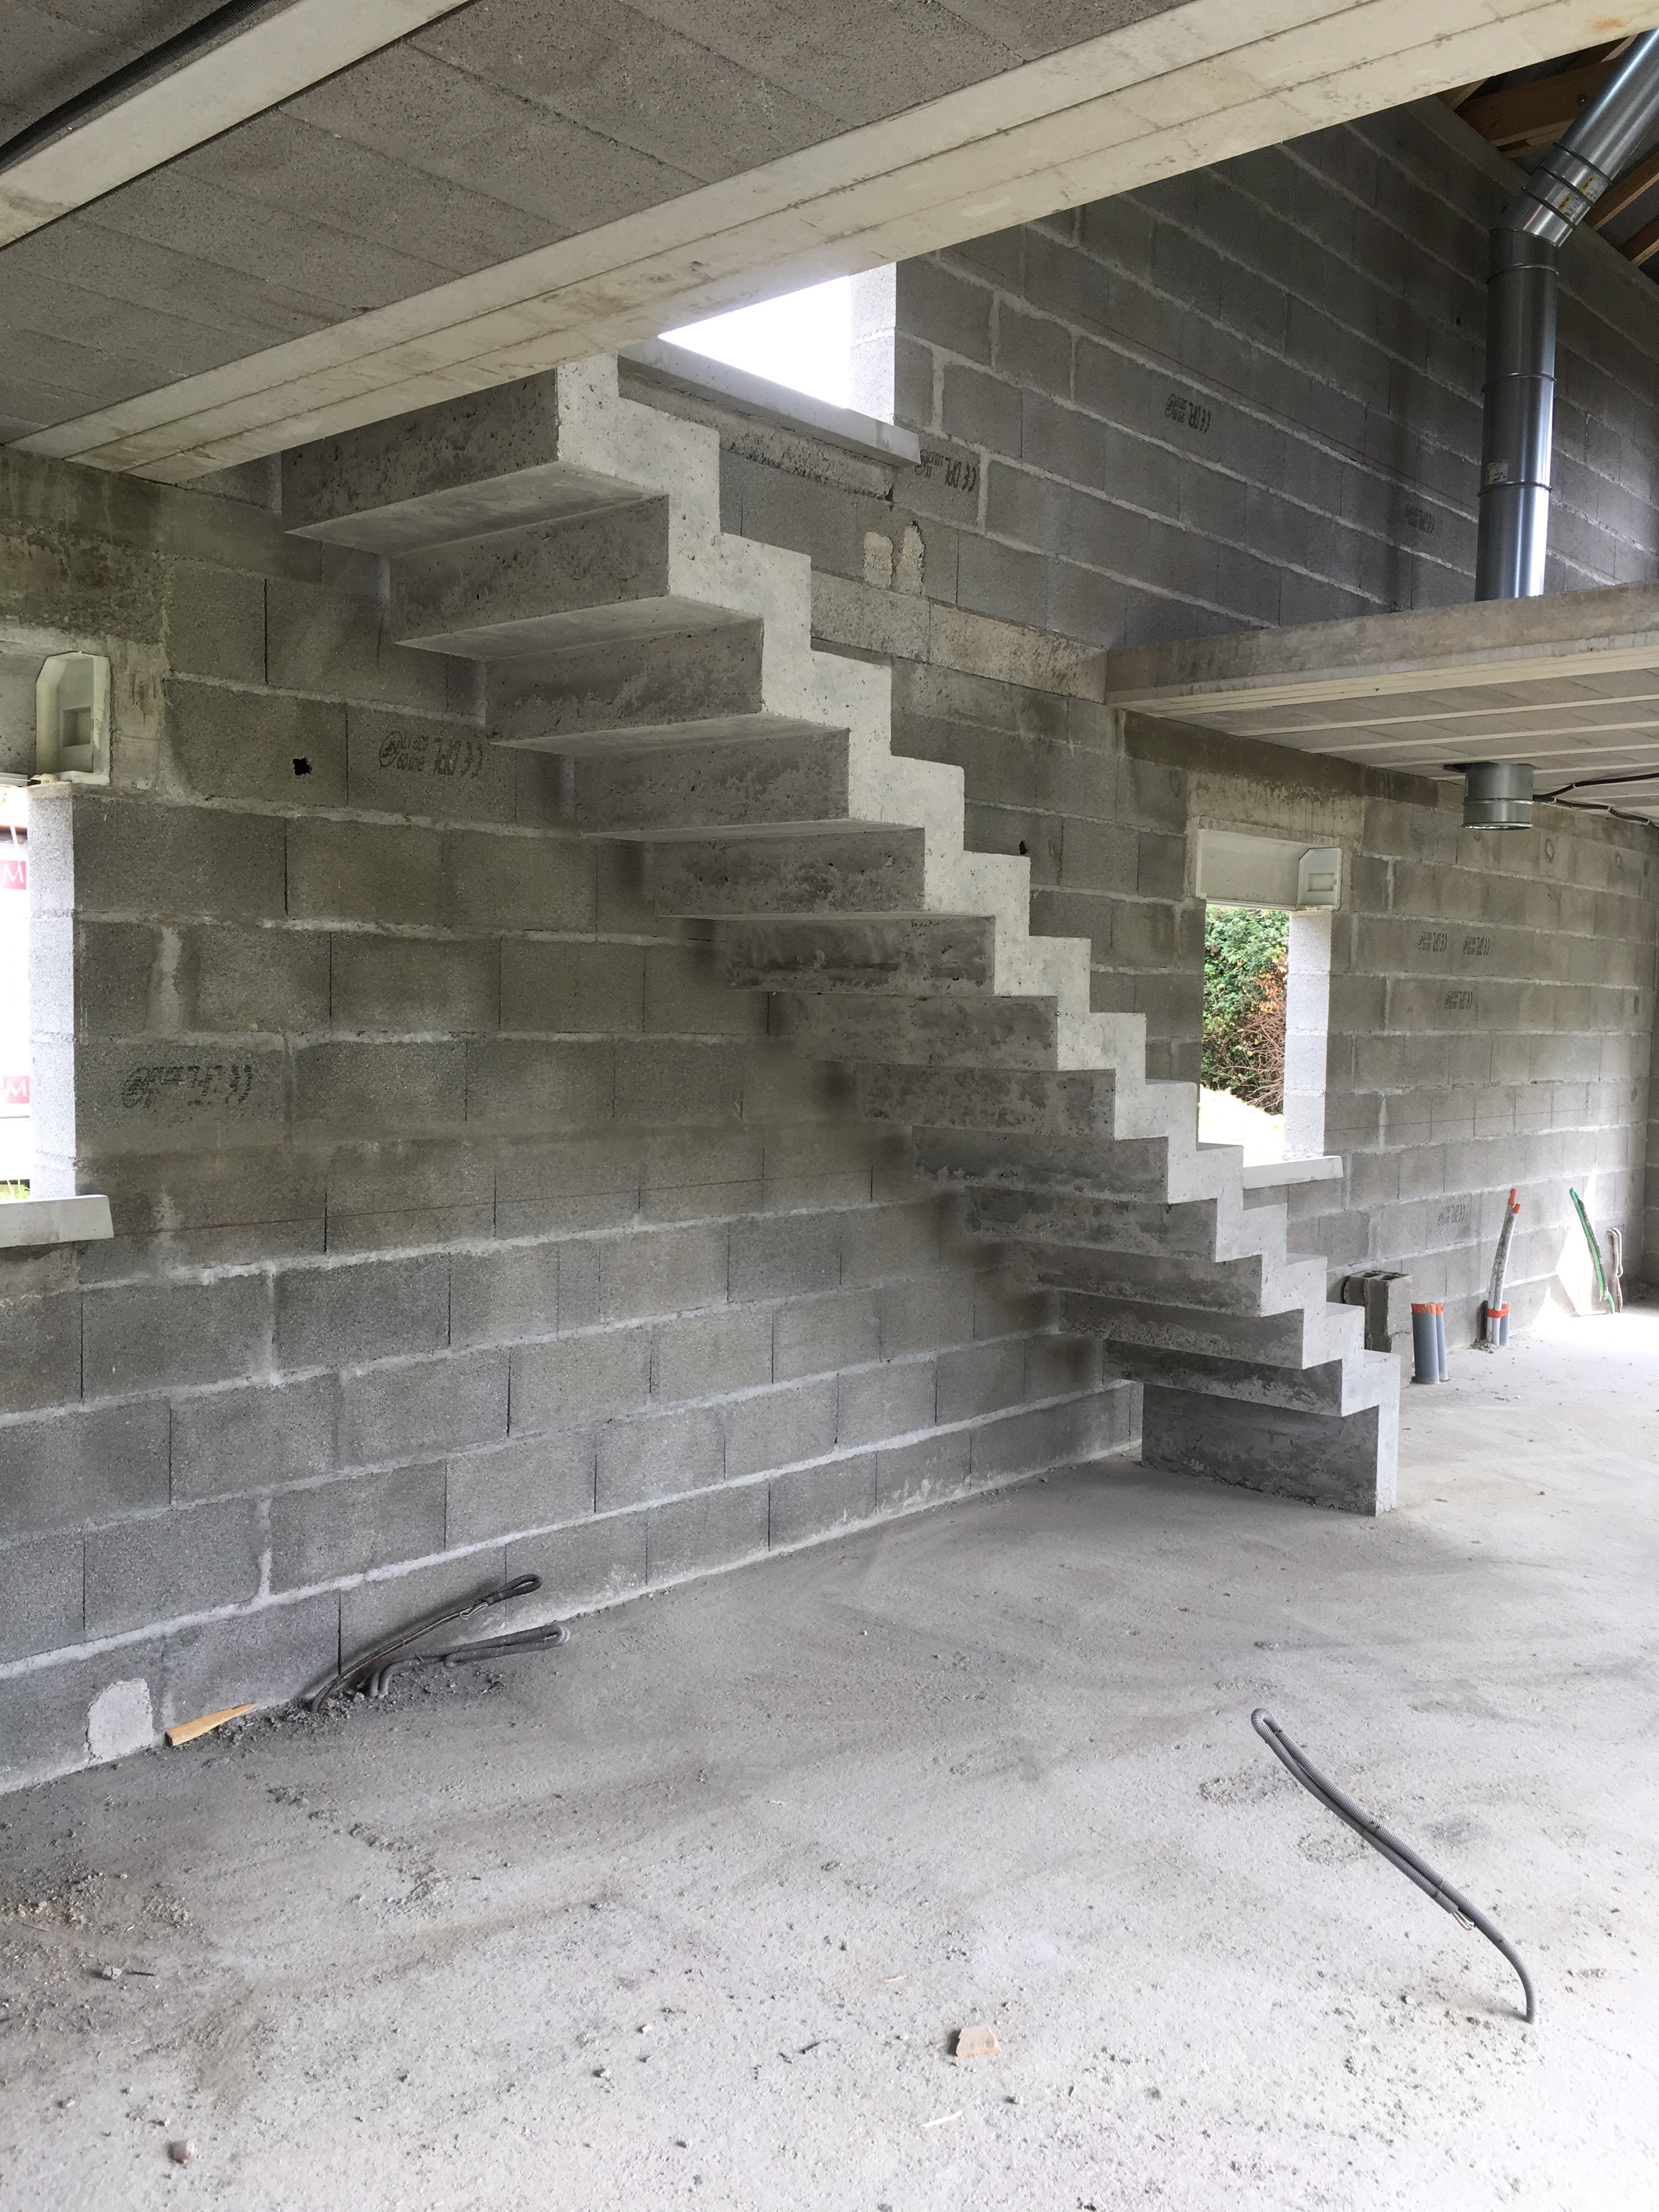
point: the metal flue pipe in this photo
(1521, 305)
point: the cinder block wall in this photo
(1491, 1015)
(465, 1224)
(1252, 395)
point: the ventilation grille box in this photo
(72, 720)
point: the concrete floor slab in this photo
(1569, 682)
(688, 1912)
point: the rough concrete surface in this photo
(688, 1912)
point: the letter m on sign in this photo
(14, 874)
(14, 1091)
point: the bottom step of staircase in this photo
(1343, 1459)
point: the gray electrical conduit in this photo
(1396, 1853)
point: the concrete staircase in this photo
(570, 539)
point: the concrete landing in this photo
(687, 1912)
(1569, 681)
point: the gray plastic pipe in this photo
(1521, 286)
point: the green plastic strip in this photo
(1595, 1250)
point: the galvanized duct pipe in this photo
(1521, 299)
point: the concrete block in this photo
(705, 1355)
(418, 1407)
(1065, 1435)
(880, 1242)
(785, 1256)
(687, 1175)
(40, 1351)
(215, 622)
(925, 1313)
(363, 872)
(131, 977)
(221, 742)
(924, 1472)
(44, 1578)
(253, 1437)
(49, 1715)
(386, 986)
(685, 997)
(510, 1292)
(161, 1336)
(404, 764)
(588, 1564)
(410, 1192)
(139, 856)
(980, 1378)
(497, 880)
(662, 1271)
(566, 1184)
(818, 1335)
(981, 410)
(341, 1315)
(811, 1167)
(777, 1427)
(580, 1378)
(128, 1089)
(892, 1399)
(333, 635)
(700, 1536)
(562, 988)
(166, 1566)
(539, 1084)
(659, 1456)
(351, 1527)
(267, 1656)
(816, 1501)
(394, 1088)
(77, 1466)
(530, 1482)
(944, 308)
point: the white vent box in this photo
(1319, 877)
(72, 720)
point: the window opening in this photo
(832, 341)
(1267, 993)
(1246, 979)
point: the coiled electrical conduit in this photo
(1396, 1853)
(374, 1670)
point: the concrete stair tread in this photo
(711, 730)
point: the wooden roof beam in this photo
(1625, 191)
(1535, 114)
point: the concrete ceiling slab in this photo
(1570, 683)
(526, 182)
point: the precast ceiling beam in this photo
(240, 74)
(1196, 84)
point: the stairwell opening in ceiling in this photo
(832, 341)
(1268, 904)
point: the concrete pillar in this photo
(1307, 1019)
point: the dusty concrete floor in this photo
(685, 1913)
